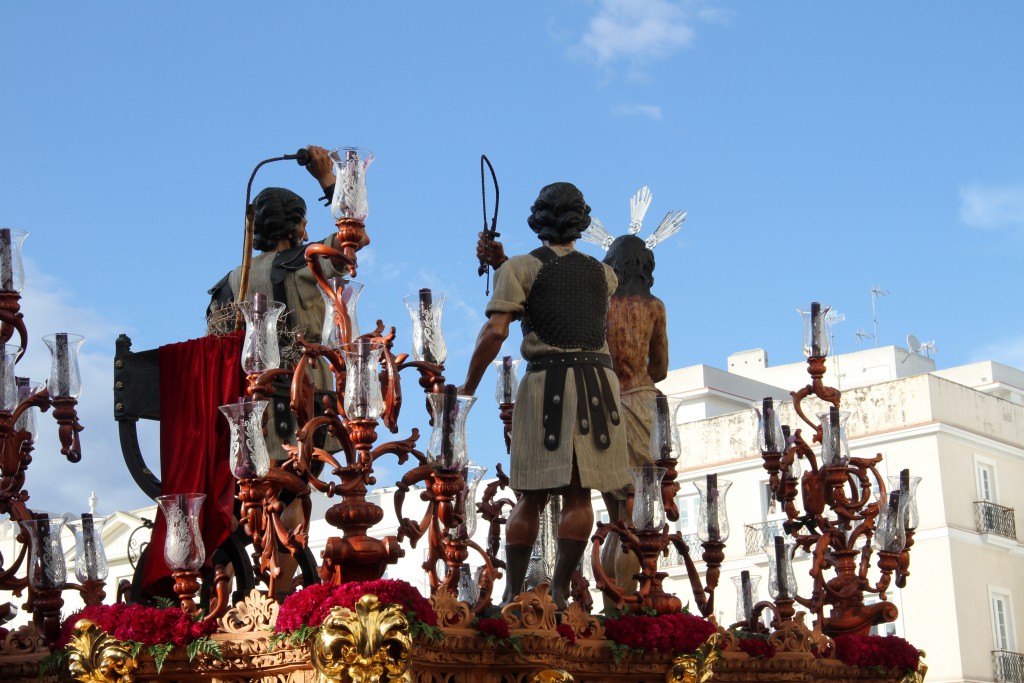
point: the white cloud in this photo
(636, 31)
(992, 207)
(651, 111)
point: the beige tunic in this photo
(534, 467)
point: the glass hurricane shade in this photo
(768, 436)
(465, 502)
(425, 309)
(507, 386)
(746, 594)
(835, 447)
(260, 350)
(363, 397)
(183, 548)
(27, 420)
(447, 448)
(648, 506)
(65, 378)
(8, 382)
(46, 567)
(891, 523)
(90, 556)
(665, 443)
(816, 341)
(906, 484)
(349, 201)
(469, 590)
(346, 293)
(248, 457)
(713, 520)
(12, 272)
(781, 578)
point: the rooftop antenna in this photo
(876, 292)
(861, 334)
(917, 346)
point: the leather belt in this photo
(571, 358)
(595, 401)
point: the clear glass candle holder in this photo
(713, 520)
(835, 446)
(65, 378)
(648, 507)
(248, 456)
(46, 567)
(346, 293)
(261, 350)
(447, 448)
(350, 165)
(507, 386)
(665, 443)
(90, 555)
(768, 435)
(12, 271)
(425, 309)
(183, 548)
(363, 397)
(781, 578)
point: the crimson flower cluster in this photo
(141, 624)
(311, 605)
(885, 651)
(496, 628)
(756, 647)
(667, 632)
(566, 632)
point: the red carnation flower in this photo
(884, 651)
(756, 647)
(493, 627)
(566, 632)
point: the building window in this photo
(689, 513)
(985, 475)
(1002, 620)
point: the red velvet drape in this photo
(196, 377)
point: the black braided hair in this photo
(560, 213)
(278, 213)
(633, 264)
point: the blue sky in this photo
(820, 149)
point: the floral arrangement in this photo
(302, 612)
(671, 633)
(757, 647)
(157, 629)
(888, 652)
(566, 632)
(497, 633)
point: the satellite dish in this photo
(913, 344)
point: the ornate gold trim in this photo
(96, 657)
(364, 645)
(697, 667)
(552, 676)
(917, 676)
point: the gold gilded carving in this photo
(531, 610)
(698, 667)
(95, 657)
(369, 645)
(256, 614)
(553, 676)
(917, 676)
(450, 612)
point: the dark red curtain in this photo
(196, 377)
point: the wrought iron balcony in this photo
(756, 536)
(995, 519)
(692, 542)
(1008, 666)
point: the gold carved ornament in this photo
(552, 676)
(697, 667)
(917, 676)
(368, 645)
(96, 657)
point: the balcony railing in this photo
(995, 519)
(1008, 666)
(692, 542)
(756, 536)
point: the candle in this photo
(63, 387)
(834, 441)
(451, 407)
(780, 567)
(363, 360)
(747, 594)
(506, 378)
(6, 261)
(815, 334)
(714, 532)
(89, 546)
(661, 405)
(426, 304)
(905, 482)
(768, 417)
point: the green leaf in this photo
(303, 635)
(205, 646)
(279, 639)
(164, 603)
(54, 662)
(160, 653)
(135, 648)
(516, 644)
